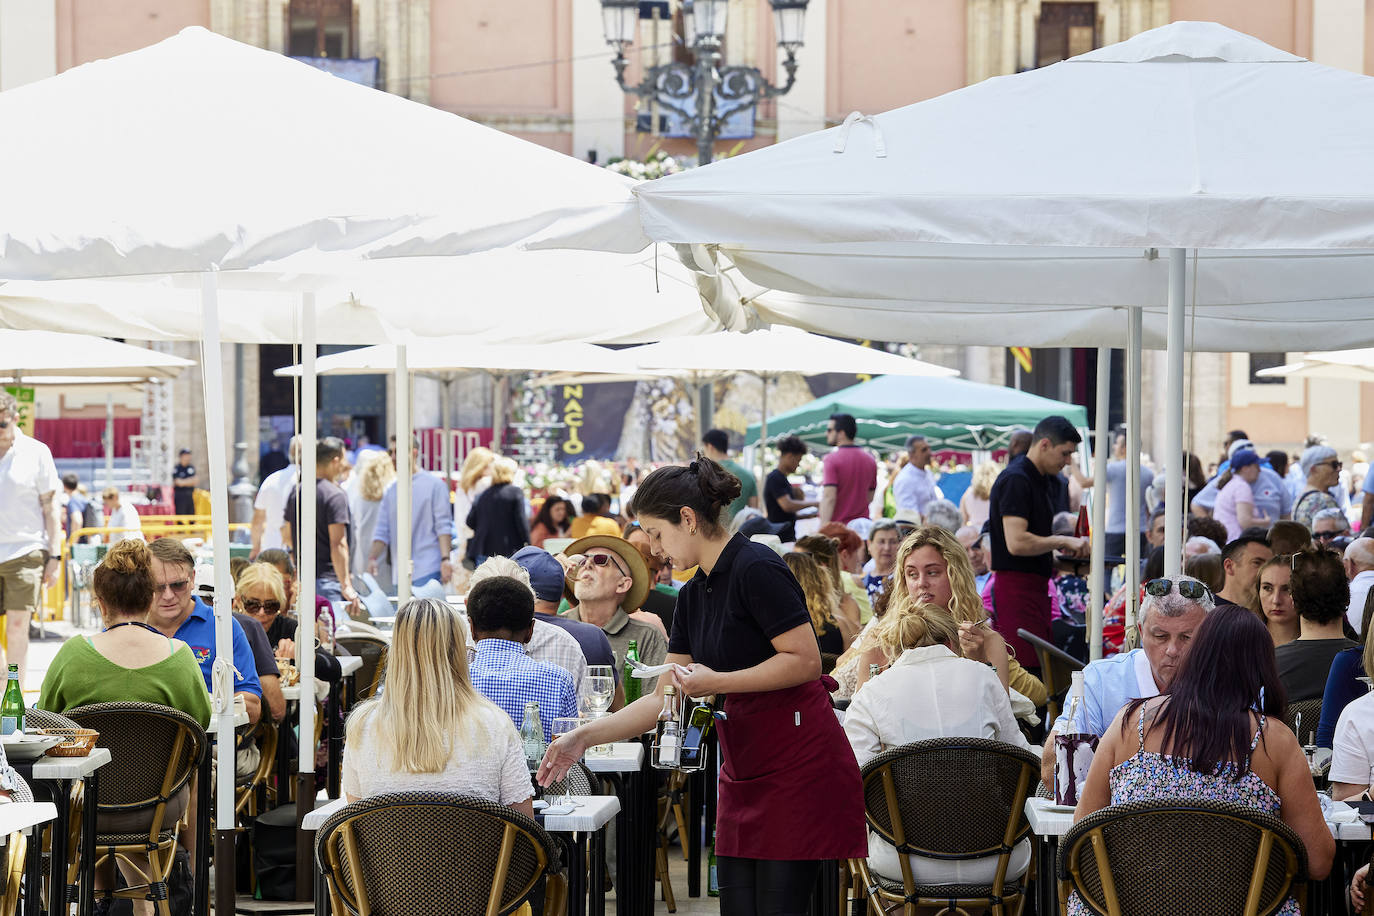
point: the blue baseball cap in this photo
(546, 573)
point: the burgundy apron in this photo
(789, 784)
(1021, 601)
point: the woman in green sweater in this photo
(128, 661)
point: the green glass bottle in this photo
(634, 687)
(12, 706)
(712, 885)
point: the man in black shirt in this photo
(1242, 559)
(332, 525)
(780, 498)
(1020, 526)
(184, 482)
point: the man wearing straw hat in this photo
(609, 579)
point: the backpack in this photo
(91, 516)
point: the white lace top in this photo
(490, 766)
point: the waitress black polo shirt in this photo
(727, 620)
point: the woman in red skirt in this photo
(789, 791)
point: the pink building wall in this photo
(882, 55)
(89, 30)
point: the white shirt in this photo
(913, 489)
(557, 646)
(932, 693)
(489, 765)
(1352, 747)
(124, 516)
(27, 473)
(1359, 591)
(272, 496)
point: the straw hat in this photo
(629, 556)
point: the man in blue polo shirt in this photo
(1167, 624)
(178, 614)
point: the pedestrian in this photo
(850, 474)
(184, 482)
(333, 530)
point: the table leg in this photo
(334, 765)
(695, 789)
(647, 841)
(88, 811)
(597, 881)
(33, 871)
(322, 904)
(201, 899)
(284, 768)
(61, 831)
(576, 846)
(1047, 894)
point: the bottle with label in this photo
(712, 884)
(12, 706)
(1073, 750)
(669, 730)
(634, 687)
(532, 736)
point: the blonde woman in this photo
(430, 728)
(975, 504)
(929, 692)
(820, 602)
(375, 472)
(826, 551)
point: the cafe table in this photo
(635, 782)
(581, 830)
(23, 817)
(52, 776)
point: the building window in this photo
(1065, 30)
(321, 28)
(1260, 361)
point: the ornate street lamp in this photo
(704, 95)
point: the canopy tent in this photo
(31, 354)
(1188, 142)
(951, 413)
(216, 156)
(1351, 365)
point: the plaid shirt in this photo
(504, 674)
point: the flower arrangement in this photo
(655, 165)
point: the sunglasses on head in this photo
(1191, 589)
(178, 587)
(253, 605)
(601, 559)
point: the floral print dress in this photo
(1149, 775)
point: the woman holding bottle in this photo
(741, 630)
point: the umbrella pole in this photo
(222, 675)
(1097, 577)
(1133, 411)
(404, 478)
(305, 577)
(1173, 440)
(109, 440)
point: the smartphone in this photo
(697, 724)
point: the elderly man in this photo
(1173, 610)
(1329, 524)
(1359, 569)
(974, 546)
(913, 489)
(610, 580)
(1241, 559)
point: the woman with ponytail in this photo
(927, 690)
(741, 632)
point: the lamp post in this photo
(704, 94)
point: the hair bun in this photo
(694, 467)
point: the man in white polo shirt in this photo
(1168, 620)
(30, 528)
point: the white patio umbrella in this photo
(29, 354)
(1350, 365)
(1189, 138)
(217, 156)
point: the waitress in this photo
(741, 629)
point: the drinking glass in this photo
(600, 692)
(561, 726)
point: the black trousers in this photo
(764, 887)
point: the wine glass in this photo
(600, 688)
(560, 727)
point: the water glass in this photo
(600, 688)
(560, 727)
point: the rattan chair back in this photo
(1311, 712)
(949, 798)
(578, 781)
(1182, 858)
(373, 651)
(1056, 670)
(42, 718)
(436, 854)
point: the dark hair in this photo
(1154, 565)
(702, 486)
(791, 445)
(278, 558)
(1229, 671)
(1196, 479)
(123, 582)
(1056, 429)
(591, 504)
(545, 516)
(1287, 537)
(1018, 443)
(1321, 593)
(1368, 613)
(845, 423)
(327, 449)
(1278, 460)
(1233, 549)
(1208, 528)
(70, 481)
(171, 550)
(1236, 434)
(500, 605)
(718, 439)
(1208, 570)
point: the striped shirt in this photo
(504, 674)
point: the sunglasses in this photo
(253, 605)
(4, 424)
(1333, 462)
(1191, 589)
(178, 587)
(1326, 535)
(601, 559)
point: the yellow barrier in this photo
(54, 603)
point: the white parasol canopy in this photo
(27, 354)
(1349, 365)
(446, 356)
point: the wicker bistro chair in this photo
(1311, 712)
(155, 751)
(422, 853)
(1178, 856)
(1056, 671)
(372, 651)
(42, 718)
(951, 799)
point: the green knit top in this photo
(80, 675)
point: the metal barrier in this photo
(55, 599)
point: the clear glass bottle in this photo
(532, 736)
(669, 730)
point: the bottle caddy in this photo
(679, 738)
